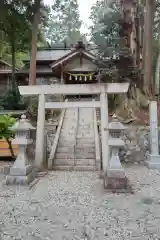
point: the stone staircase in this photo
(76, 144)
(85, 140)
(65, 152)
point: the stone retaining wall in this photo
(136, 148)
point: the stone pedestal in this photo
(154, 158)
(21, 173)
(154, 161)
(18, 178)
(116, 180)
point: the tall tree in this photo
(111, 32)
(148, 37)
(15, 27)
(156, 49)
(64, 24)
(38, 18)
(105, 29)
(36, 21)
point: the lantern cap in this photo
(23, 124)
(115, 124)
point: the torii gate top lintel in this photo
(72, 89)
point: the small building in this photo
(63, 65)
(6, 77)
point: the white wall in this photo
(74, 65)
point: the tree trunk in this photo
(36, 19)
(148, 36)
(157, 73)
(137, 28)
(10, 147)
(13, 49)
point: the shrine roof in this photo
(7, 69)
(49, 54)
(39, 70)
(53, 54)
(6, 63)
(73, 53)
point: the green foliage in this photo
(105, 29)
(6, 122)
(64, 23)
(34, 107)
(16, 29)
(156, 20)
(6, 131)
(12, 100)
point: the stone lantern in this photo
(21, 172)
(116, 179)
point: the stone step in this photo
(69, 121)
(74, 168)
(67, 137)
(69, 126)
(85, 149)
(84, 155)
(76, 162)
(84, 141)
(68, 130)
(85, 136)
(65, 143)
(62, 155)
(85, 162)
(84, 125)
(65, 149)
(63, 162)
(89, 139)
(84, 145)
(70, 133)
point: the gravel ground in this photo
(74, 206)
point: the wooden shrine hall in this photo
(63, 65)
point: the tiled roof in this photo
(49, 55)
(38, 70)
(6, 63)
(55, 54)
(5, 71)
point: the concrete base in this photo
(101, 174)
(117, 185)
(20, 176)
(116, 173)
(154, 162)
(20, 171)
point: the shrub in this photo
(6, 122)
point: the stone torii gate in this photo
(102, 89)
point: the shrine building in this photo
(62, 66)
